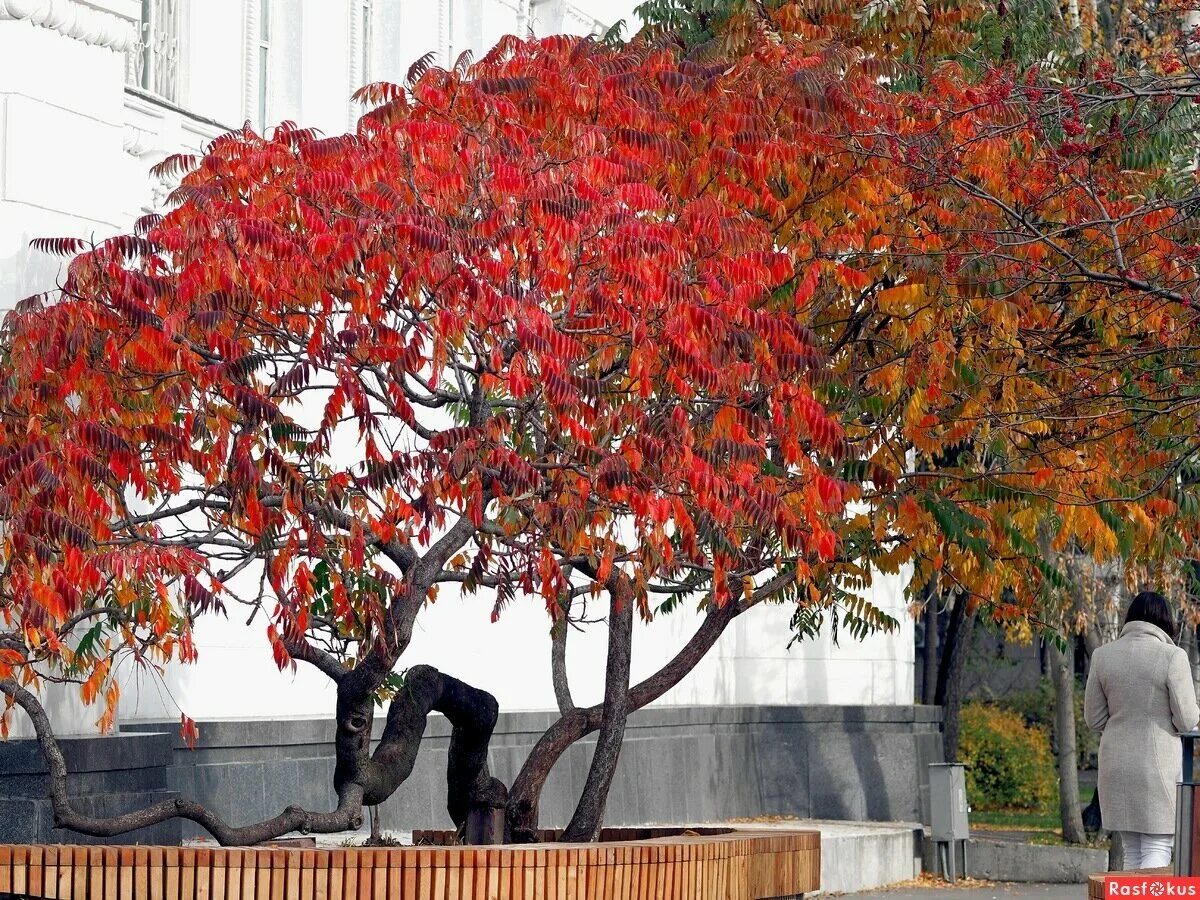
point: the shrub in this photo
(1036, 707)
(1009, 763)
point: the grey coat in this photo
(1140, 696)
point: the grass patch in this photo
(1046, 825)
(1034, 821)
(1055, 839)
(1047, 819)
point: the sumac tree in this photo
(509, 329)
(640, 322)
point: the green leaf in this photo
(87, 644)
(959, 527)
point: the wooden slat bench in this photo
(735, 865)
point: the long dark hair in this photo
(1152, 607)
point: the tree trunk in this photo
(1091, 642)
(1102, 10)
(950, 674)
(472, 713)
(1194, 656)
(525, 794)
(524, 797)
(930, 660)
(558, 659)
(1062, 671)
(1075, 25)
(1116, 853)
(1187, 640)
(589, 813)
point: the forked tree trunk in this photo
(472, 713)
(589, 813)
(1062, 673)
(525, 794)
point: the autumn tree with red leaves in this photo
(574, 319)
(501, 332)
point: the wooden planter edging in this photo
(739, 865)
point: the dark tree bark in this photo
(558, 659)
(1116, 852)
(1194, 654)
(589, 812)
(1104, 14)
(950, 674)
(930, 659)
(472, 713)
(1062, 672)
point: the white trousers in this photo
(1146, 851)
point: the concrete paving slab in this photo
(857, 856)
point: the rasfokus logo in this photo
(1151, 886)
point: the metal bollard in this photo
(1187, 827)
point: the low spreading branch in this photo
(347, 816)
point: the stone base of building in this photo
(109, 776)
(678, 765)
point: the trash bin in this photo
(949, 827)
(1186, 824)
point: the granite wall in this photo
(109, 775)
(679, 764)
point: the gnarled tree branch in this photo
(347, 816)
(472, 713)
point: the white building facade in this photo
(95, 92)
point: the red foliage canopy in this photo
(527, 317)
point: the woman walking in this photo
(1140, 696)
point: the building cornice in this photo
(589, 22)
(75, 20)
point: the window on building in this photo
(263, 64)
(153, 65)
